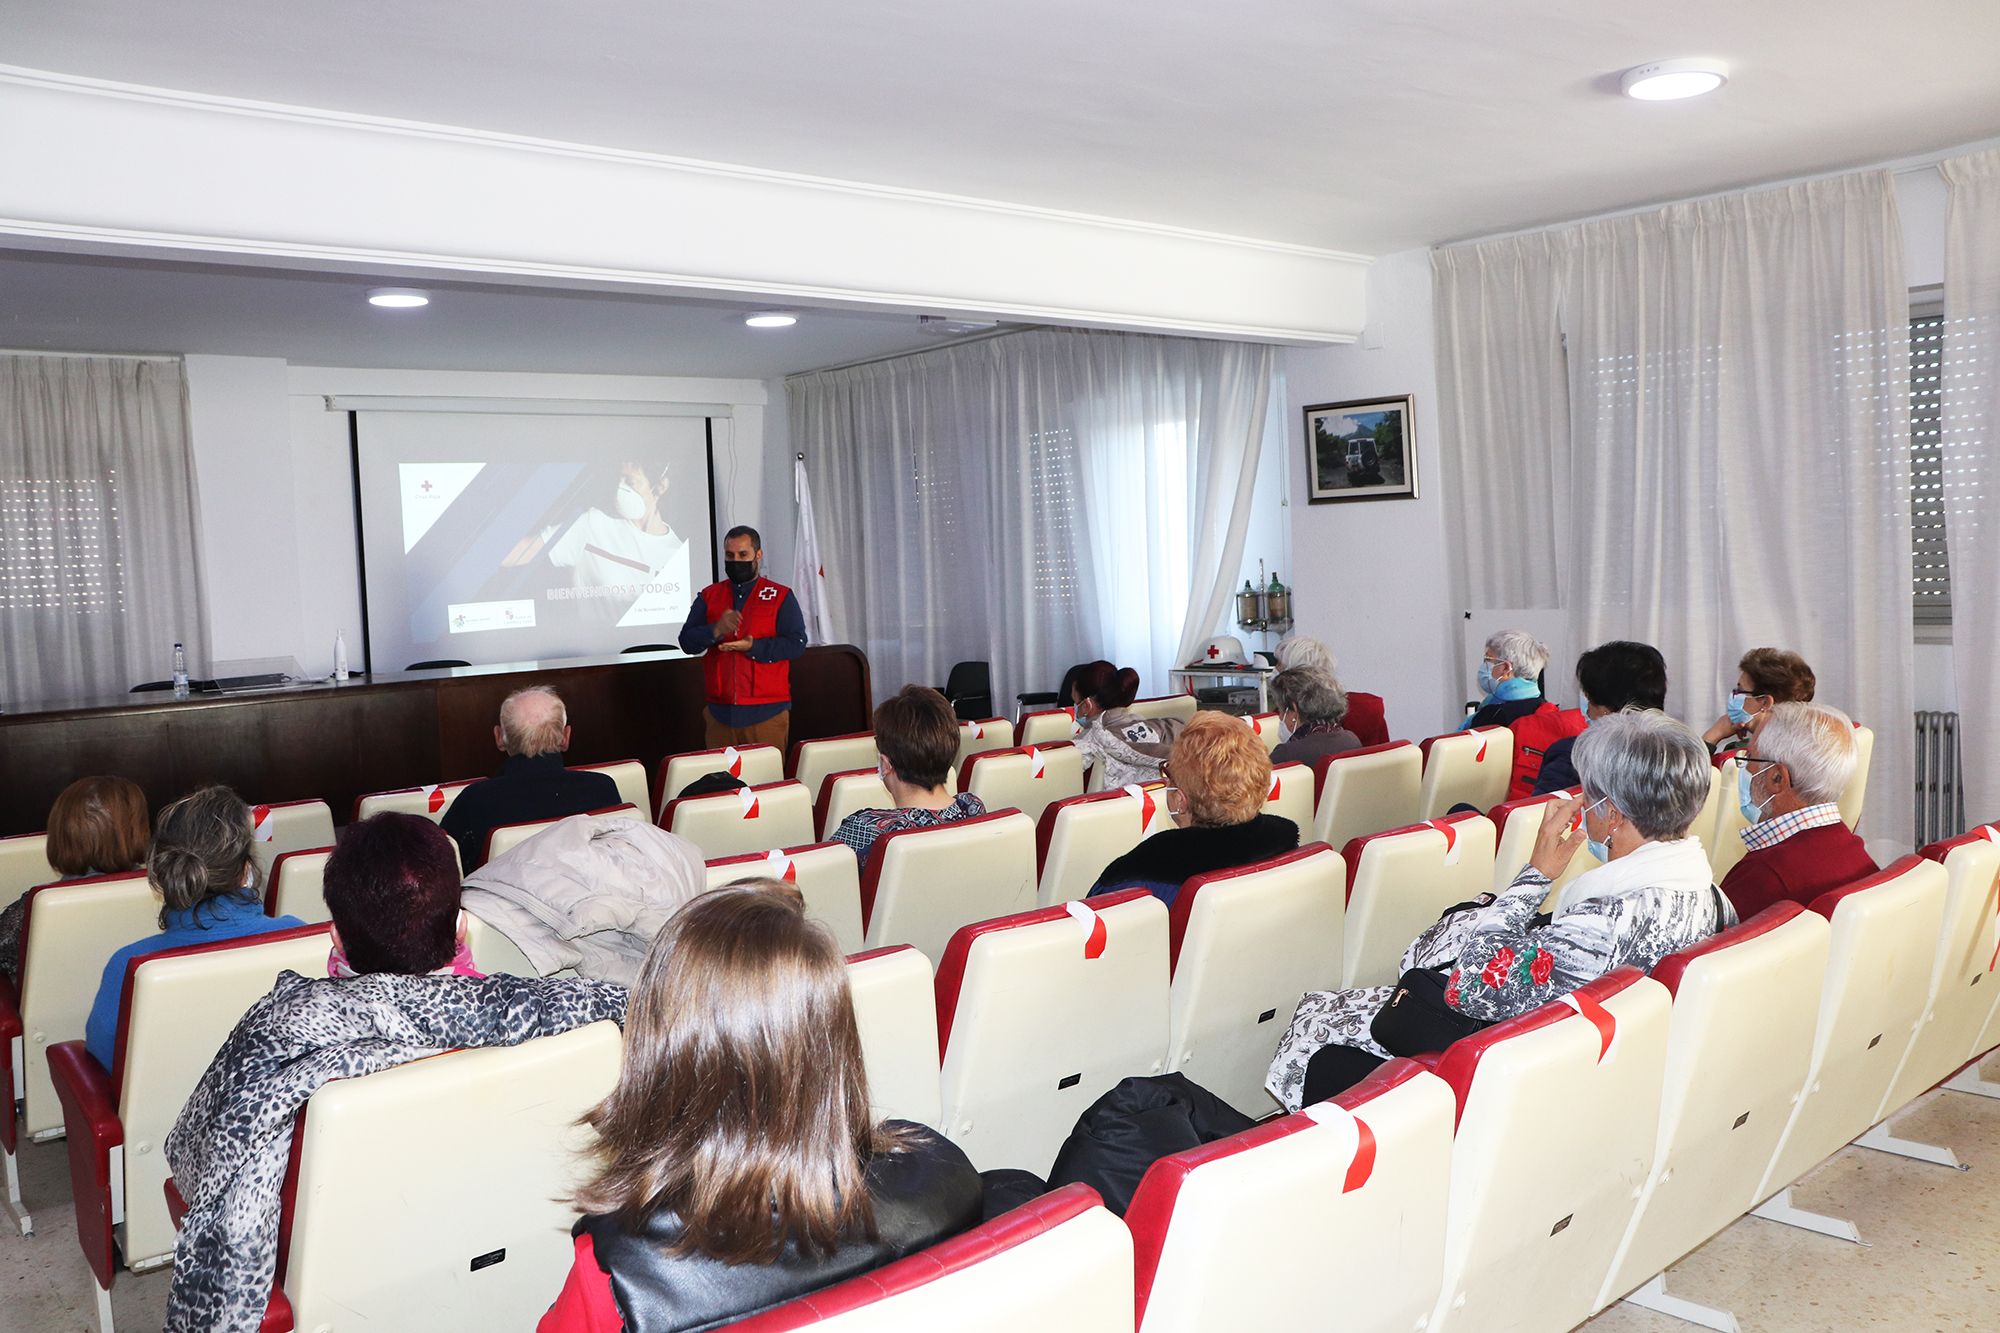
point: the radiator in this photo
(1940, 787)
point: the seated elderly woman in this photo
(1130, 748)
(1645, 779)
(97, 826)
(401, 987)
(1610, 678)
(1788, 782)
(209, 890)
(1510, 668)
(1765, 678)
(1310, 705)
(916, 740)
(738, 1162)
(1366, 716)
(1219, 777)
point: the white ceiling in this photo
(1362, 125)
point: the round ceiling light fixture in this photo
(397, 298)
(1671, 80)
(770, 319)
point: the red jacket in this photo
(733, 678)
(1534, 733)
(1797, 870)
(1365, 718)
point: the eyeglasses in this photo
(1748, 759)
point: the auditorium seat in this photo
(826, 876)
(507, 837)
(1043, 1012)
(629, 774)
(1291, 796)
(493, 952)
(1855, 794)
(753, 765)
(1401, 881)
(288, 826)
(1536, 1211)
(1075, 839)
(750, 819)
(1062, 1262)
(1181, 707)
(488, 1140)
(814, 761)
(297, 883)
(1885, 932)
(1709, 819)
(1057, 724)
(977, 737)
(841, 794)
(1266, 727)
(24, 863)
(895, 1007)
(1745, 1002)
(1365, 791)
(1517, 824)
(70, 933)
(921, 884)
(1027, 778)
(1465, 768)
(1962, 989)
(430, 800)
(1244, 945)
(177, 1008)
(1725, 841)
(1332, 1218)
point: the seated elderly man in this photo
(1799, 761)
(532, 784)
(1311, 706)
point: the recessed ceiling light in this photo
(770, 319)
(1669, 80)
(397, 298)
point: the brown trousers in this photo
(771, 731)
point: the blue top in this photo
(226, 918)
(698, 636)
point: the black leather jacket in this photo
(921, 1197)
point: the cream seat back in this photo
(430, 800)
(750, 819)
(1366, 791)
(1077, 838)
(71, 932)
(1062, 1262)
(507, 837)
(1855, 794)
(895, 1007)
(843, 794)
(1706, 822)
(1962, 989)
(1725, 844)
(488, 1140)
(1028, 778)
(628, 774)
(1401, 881)
(979, 736)
(1223, 1233)
(1265, 725)
(1878, 976)
(1042, 1013)
(24, 863)
(1517, 823)
(289, 826)
(1180, 707)
(493, 952)
(298, 882)
(1988, 1037)
(815, 761)
(1291, 796)
(1244, 945)
(1738, 1041)
(826, 874)
(920, 885)
(1046, 728)
(181, 1006)
(753, 765)
(1465, 768)
(1530, 1234)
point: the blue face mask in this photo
(1583, 706)
(1737, 712)
(1599, 848)
(1486, 682)
(1752, 810)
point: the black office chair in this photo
(650, 648)
(436, 664)
(969, 690)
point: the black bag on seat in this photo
(1416, 1019)
(1136, 1124)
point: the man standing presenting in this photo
(748, 629)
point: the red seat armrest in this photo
(90, 1120)
(10, 1029)
(277, 1315)
(1429, 1060)
(177, 1207)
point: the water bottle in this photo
(340, 655)
(180, 672)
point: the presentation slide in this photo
(495, 537)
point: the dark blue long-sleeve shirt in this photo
(698, 637)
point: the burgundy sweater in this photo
(1799, 869)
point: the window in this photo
(59, 545)
(1930, 561)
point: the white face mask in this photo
(631, 504)
(1285, 730)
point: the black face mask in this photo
(740, 571)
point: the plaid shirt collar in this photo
(1770, 832)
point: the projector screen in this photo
(508, 537)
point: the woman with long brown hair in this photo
(738, 1164)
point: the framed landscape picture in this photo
(1361, 450)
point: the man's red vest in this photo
(1533, 735)
(732, 678)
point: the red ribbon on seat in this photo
(1600, 1018)
(1093, 946)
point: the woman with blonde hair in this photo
(738, 1165)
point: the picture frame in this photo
(1361, 449)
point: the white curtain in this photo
(1734, 374)
(1035, 500)
(100, 568)
(1971, 409)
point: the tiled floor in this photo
(1931, 1260)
